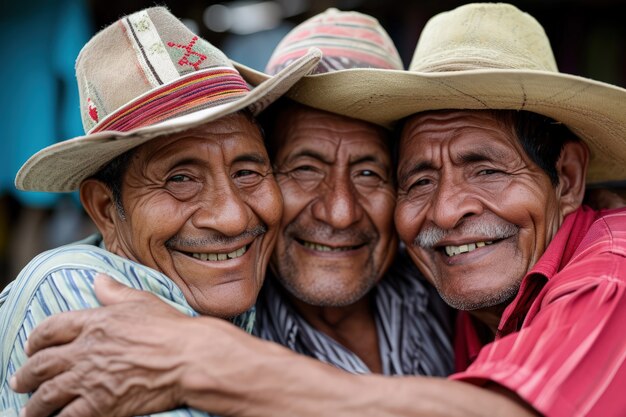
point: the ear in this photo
(572, 170)
(98, 202)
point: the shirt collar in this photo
(558, 253)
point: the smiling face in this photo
(203, 208)
(475, 212)
(336, 238)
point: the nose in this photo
(338, 202)
(223, 210)
(454, 201)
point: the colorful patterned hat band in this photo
(346, 39)
(190, 93)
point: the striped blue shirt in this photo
(413, 324)
(62, 280)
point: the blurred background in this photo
(39, 100)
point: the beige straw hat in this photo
(144, 76)
(483, 56)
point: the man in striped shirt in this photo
(174, 173)
(331, 293)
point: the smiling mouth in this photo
(325, 248)
(219, 256)
(452, 250)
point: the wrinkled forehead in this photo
(487, 125)
(298, 126)
(221, 140)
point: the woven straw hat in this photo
(483, 56)
(144, 76)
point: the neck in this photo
(490, 317)
(352, 326)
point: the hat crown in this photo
(483, 36)
(346, 39)
(139, 54)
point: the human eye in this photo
(368, 173)
(179, 178)
(489, 171)
(368, 177)
(305, 172)
(418, 187)
(245, 173)
(304, 168)
(182, 186)
(246, 177)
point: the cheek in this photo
(524, 203)
(266, 202)
(380, 208)
(295, 199)
(156, 217)
(408, 219)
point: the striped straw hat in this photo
(483, 56)
(144, 76)
(346, 39)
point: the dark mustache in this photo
(215, 238)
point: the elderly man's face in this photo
(203, 208)
(475, 212)
(336, 237)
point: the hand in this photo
(121, 360)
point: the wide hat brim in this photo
(593, 110)
(63, 166)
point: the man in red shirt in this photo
(490, 209)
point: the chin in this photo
(477, 301)
(225, 302)
(225, 311)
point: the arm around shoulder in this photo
(244, 376)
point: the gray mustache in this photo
(216, 238)
(431, 235)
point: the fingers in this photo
(110, 291)
(56, 330)
(51, 396)
(40, 367)
(78, 408)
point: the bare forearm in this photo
(269, 380)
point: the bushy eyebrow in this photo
(482, 154)
(254, 157)
(309, 153)
(417, 168)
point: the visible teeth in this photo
(237, 253)
(457, 250)
(324, 248)
(220, 256)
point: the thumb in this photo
(109, 291)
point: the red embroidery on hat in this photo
(197, 57)
(93, 110)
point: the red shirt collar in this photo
(558, 253)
